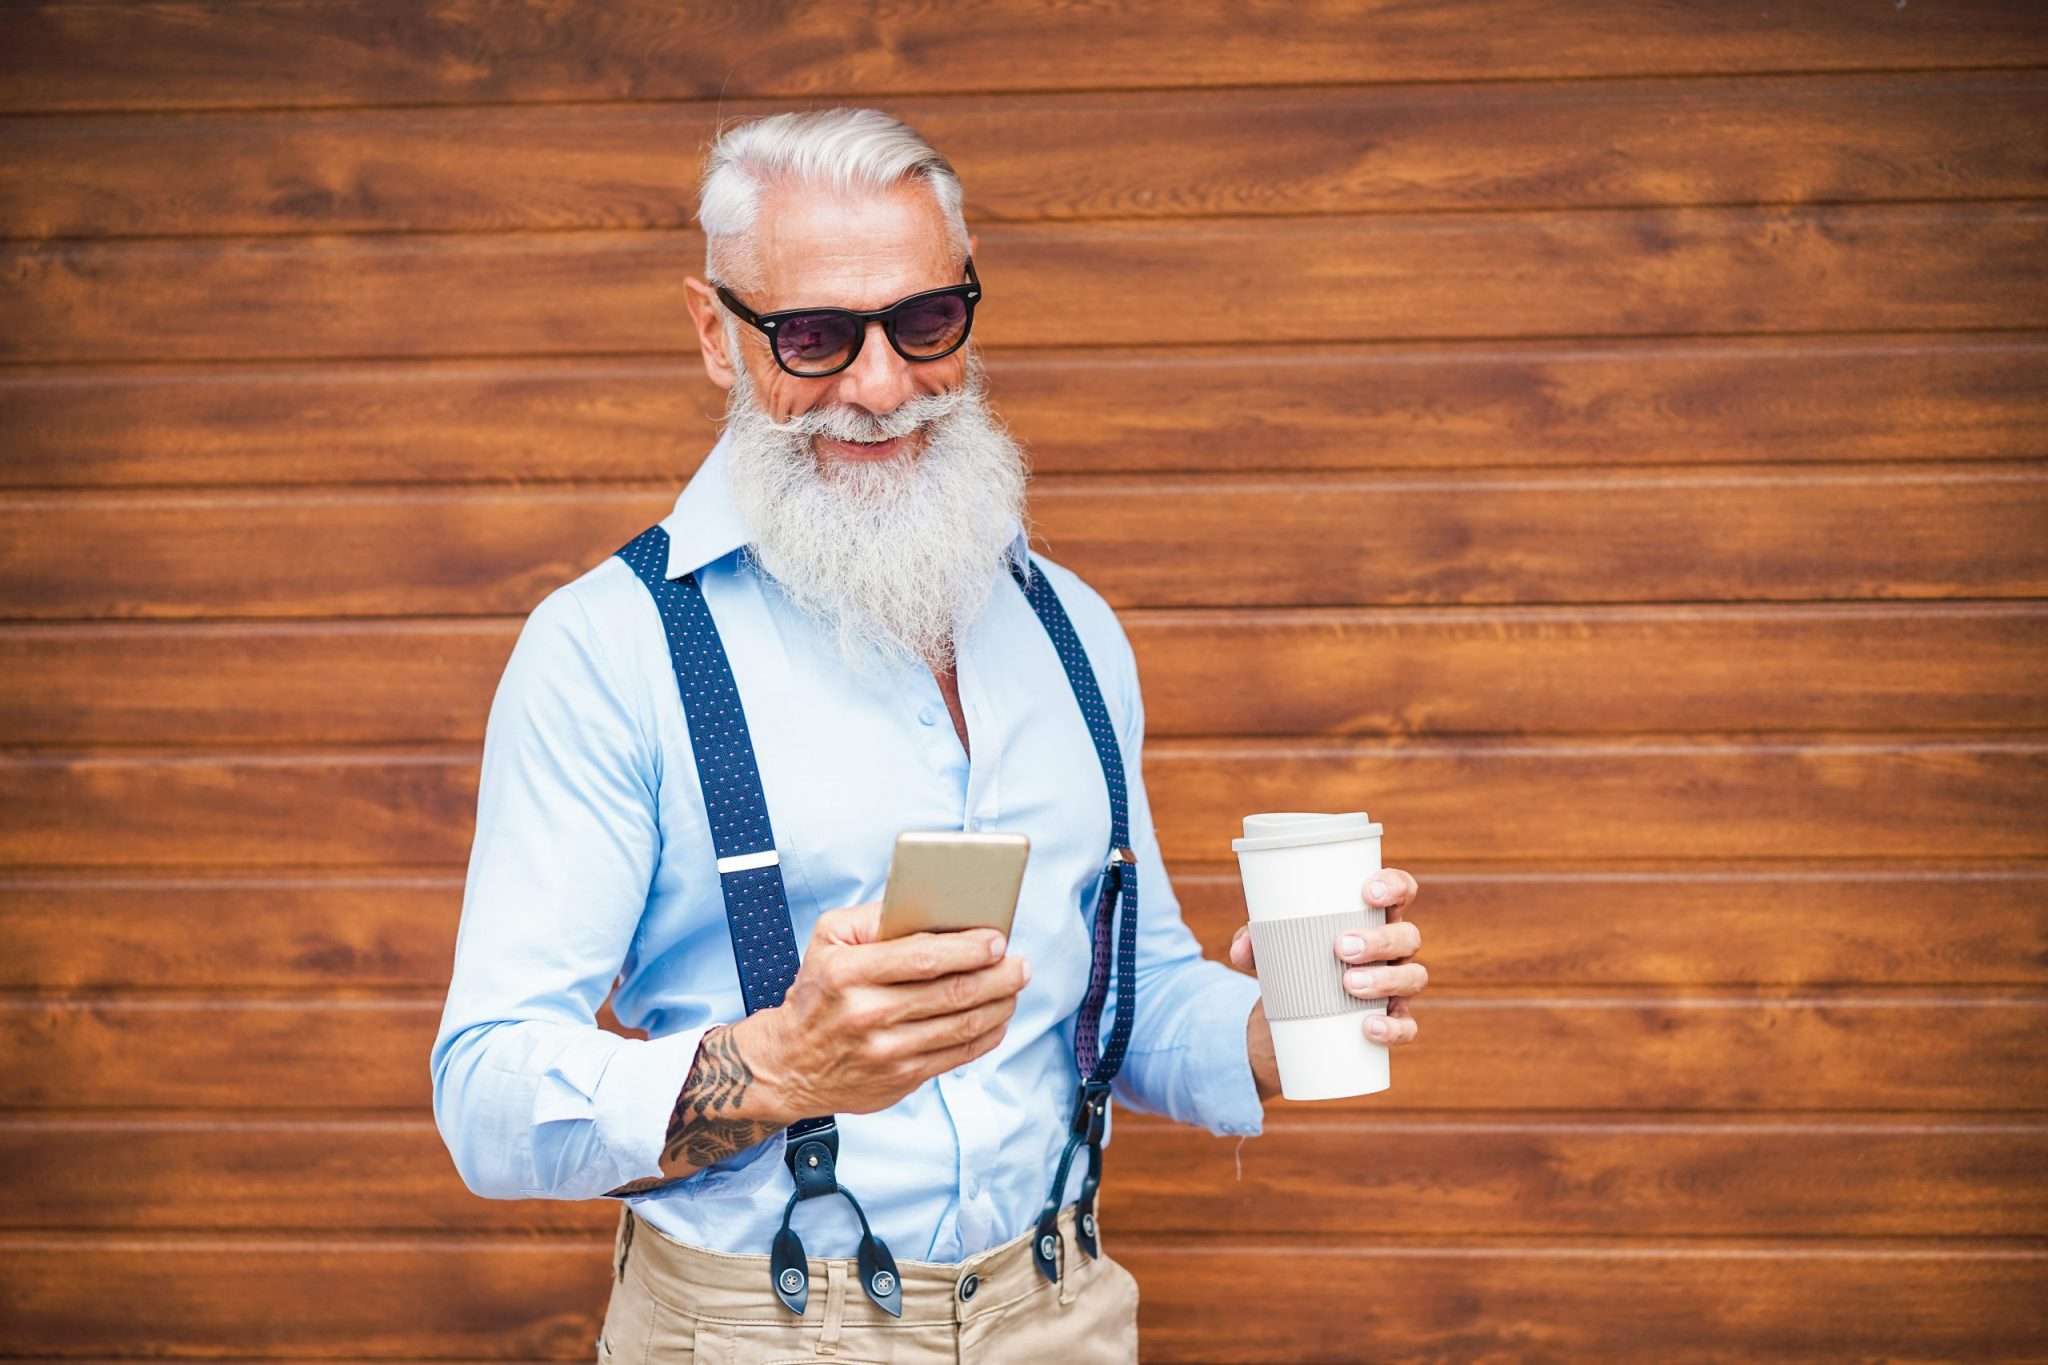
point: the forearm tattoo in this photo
(705, 1125)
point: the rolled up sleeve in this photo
(532, 1098)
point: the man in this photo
(852, 554)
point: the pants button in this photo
(968, 1285)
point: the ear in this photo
(707, 314)
(973, 245)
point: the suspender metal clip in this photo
(811, 1151)
(1091, 1112)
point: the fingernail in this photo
(995, 946)
(1375, 1028)
(1358, 979)
(1378, 890)
(1026, 965)
(1351, 945)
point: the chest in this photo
(849, 760)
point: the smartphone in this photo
(946, 879)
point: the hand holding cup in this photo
(1393, 945)
(1324, 915)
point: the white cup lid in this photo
(1296, 829)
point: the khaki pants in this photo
(672, 1302)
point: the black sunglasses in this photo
(811, 343)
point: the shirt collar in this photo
(706, 524)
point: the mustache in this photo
(843, 422)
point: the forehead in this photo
(862, 251)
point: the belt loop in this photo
(625, 1237)
(835, 1307)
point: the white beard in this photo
(895, 557)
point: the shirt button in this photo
(928, 716)
(968, 1286)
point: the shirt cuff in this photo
(1225, 1091)
(637, 1096)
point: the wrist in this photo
(773, 1097)
(1258, 1045)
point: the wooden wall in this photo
(1603, 440)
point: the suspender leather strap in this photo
(1116, 906)
(756, 902)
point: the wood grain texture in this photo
(1593, 1302)
(1640, 1178)
(1609, 444)
(1181, 154)
(1180, 410)
(1730, 534)
(1950, 1049)
(530, 1299)
(1700, 797)
(1714, 924)
(1422, 672)
(1512, 1175)
(1324, 279)
(273, 52)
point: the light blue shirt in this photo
(593, 861)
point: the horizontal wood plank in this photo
(1932, 1050)
(1732, 534)
(1588, 1303)
(1643, 272)
(1700, 798)
(1333, 149)
(1589, 1175)
(1194, 410)
(1485, 800)
(543, 1299)
(1699, 926)
(1424, 672)
(273, 52)
(1637, 1179)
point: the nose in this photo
(878, 380)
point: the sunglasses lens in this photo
(815, 342)
(931, 326)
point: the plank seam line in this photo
(1655, 476)
(2024, 740)
(543, 485)
(1619, 345)
(10, 365)
(484, 239)
(1193, 617)
(1589, 1246)
(727, 99)
(1443, 996)
(67, 240)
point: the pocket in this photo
(638, 1330)
(1125, 1324)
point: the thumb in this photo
(1241, 947)
(850, 924)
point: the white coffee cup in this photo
(1304, 884)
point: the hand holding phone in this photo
(881, 1003)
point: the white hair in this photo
(842, 150)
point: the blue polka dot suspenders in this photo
(756, 903)
(764, 943)
(1119, 892)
